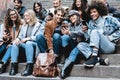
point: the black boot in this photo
(66, 50)
(2, 67)
(14, 69)
(66, 69)
(28, 70)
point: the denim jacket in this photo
(107, 25)
(75, 29)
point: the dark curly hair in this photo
(83, 8)
(100, 7)
(8, 23)
(83, 5)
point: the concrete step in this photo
(114, 59)
(113, 70)
(6, 76)
(21, 67)
(80, 71)
(98, 71)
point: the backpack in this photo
(45, 65)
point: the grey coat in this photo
(38, 29)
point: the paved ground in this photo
(5, 76)
(88, 78)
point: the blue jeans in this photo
(67, 40)
(101, 42)
(96, 39)
(42, 44)
(81, 48)
(7, 55)
(29, 51)
(3, 48)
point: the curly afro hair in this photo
(100, 7)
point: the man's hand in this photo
(51, 51)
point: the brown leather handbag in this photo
(45, 65)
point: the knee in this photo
(81, 45)
(94, 31)
(29, 43)
(56, 36)
(65, 37)
(38, 37)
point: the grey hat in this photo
(72, 12)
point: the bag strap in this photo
(50, 59)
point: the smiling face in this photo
(37, 7)
(56, 3)
(94, 14)
(73, 18)
(13, 15)
(26, 17)
(17, 5)
(78, 3)
(59, 16)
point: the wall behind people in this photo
(47, 3)
(4, 5)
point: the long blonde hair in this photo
(32, 16)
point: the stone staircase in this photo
(97, 73)
(113, 70)
(105, 72)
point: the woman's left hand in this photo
(84, 28)
(65, 31)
